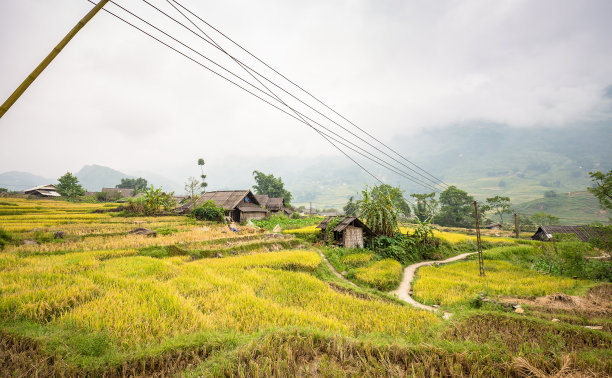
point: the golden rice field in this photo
(101, 284)
(384, 274)
(459, 282)
(453, 237)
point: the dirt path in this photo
(333, 270)
(405, 286)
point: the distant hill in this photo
(572, 208)
(95, 177)
(18, 181)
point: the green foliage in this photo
(379, 208)
(154, 202)
(550, 194)
(166, 230)
(203, 183)
(499, 205)
(3, 190)
(543, 219)
(138, 184)
(329, 231)
(351, 208)
(68, 186)
(426, 206)
(286, 223)
(272, 186)
(602, 188)
(5, 238)
(208, 211)
(192, 188)
(456, 208)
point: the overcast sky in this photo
(117, 98)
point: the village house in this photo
(118, 193)
(349, 232)
(273, 205)
(43, 191)
(239, 205)
(582, 233)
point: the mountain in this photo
(95, 177)
(572, 208)
(18, 181)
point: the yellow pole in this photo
(41, 67)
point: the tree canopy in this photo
(69, 186)
(426, 206)
(272, 186)
(602, 188)
(499, 205)
(379, 208)
(138, 184)
(456, 208)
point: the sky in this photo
(117, 98)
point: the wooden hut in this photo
(349, 232)
(239, 205)
(582, 233)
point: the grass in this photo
(287, 223)
(458, 283)
(101, 302)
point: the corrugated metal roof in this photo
(42, 187)
(583, 233)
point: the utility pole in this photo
(516, 229)
(480, 259)
(55, 52)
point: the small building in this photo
(349, 232)
(239, 205)
(118, 192)
(43, 191)
(494, 226)
(582, 233)
(273, 205)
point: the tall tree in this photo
(456, 208)
(602, 188)
(426, 206)
(350, 209)
(270, 185)
(543, 219)
(203, 183)
(138, 184)
(499, 205)
(69, 186)
(192, 189)
(378, 208)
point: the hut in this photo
(43, 191)
(118, 192)
(349, 232)
(239, 205)
(494, 226)
(582, 233)
(273, 205)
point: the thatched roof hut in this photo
(239, 205)
(349, 232)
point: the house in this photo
(583, 233)
(494, 226)
(239, 205)
(42, 191)
(118, 193)
(349, 232)
(274, 205)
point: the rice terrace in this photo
(457, 224)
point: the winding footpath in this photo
(403, 291)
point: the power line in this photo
(299, 117)
(250, 71)
(307, 92)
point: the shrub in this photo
(5, 238)
(208, 211)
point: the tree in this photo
(3, 190)
(499, 205)
(192, 189)
(544, 219)
(426, 206)
(602, 188)
(456, 208)
(203, 184)
(379, 209)
(138, 184)
(350, 209)
(272, 186)
(69, 186)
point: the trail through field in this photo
(333, 270)
(403, 291)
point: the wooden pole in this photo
(41, 67)
(516, 229)
(480, 259)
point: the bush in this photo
(208, 211)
